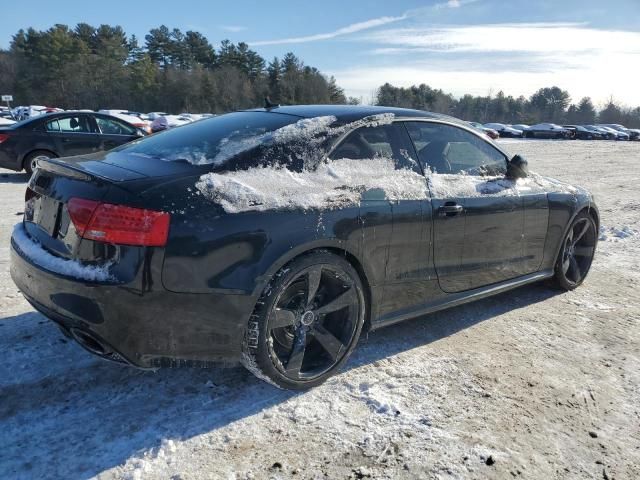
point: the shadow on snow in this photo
(64, 413)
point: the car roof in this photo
(350, 113)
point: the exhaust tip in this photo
(90, 342)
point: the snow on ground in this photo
(534, 383)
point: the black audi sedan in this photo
(61, 134)
(276, 237)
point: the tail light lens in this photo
(4, 137)
(118, 224)
(29, 194)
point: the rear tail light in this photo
(4, 137)
(29, 194)
(105, 222)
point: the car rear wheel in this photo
(576, 253)
(306, 323)
(31, 160)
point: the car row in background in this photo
(62, 134)
(554, 131)
(144, 121)
(488, 131)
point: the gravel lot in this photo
(534, 383)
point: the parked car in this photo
(578, 132)
(164, 122)
(616, 134)
(546, 130)
(489, 132)
(24, 112)
(597, 133)
(607, 134)
(633, 134)
(61, 135)
(131, 118)
(140, 269)
(504, 130)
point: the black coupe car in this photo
(62, 134)
(275, 237)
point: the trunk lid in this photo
(120, 166)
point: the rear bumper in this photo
(146, 329)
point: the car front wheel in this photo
(576, 253)
(306, 323)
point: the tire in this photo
(576, 253)
(306, 322)
(30, 160)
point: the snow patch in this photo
(335, 184)
(71, 268)
(307, 133)
(614, 234)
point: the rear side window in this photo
(78, 124)
(234, 140)
(447, 149)
(388, 141)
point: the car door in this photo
(478, 215)
(73, 134)
(114, 132)
(394, 218)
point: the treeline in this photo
(550, 104)
(174, 71)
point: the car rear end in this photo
(10, 148)
(89, 255)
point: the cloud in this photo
(353, 28)
(515, 58)
(232, 28)
(506, 37)
(453, 4)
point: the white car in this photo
(6, 121)
(131, 119)
(505, 130)
(30, 111)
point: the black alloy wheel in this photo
(576, 252)
(306, 323)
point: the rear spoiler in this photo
(63, 169)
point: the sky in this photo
(588, 47)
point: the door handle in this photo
(450, 209)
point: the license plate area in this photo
(45, 212)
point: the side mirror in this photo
(518, 167)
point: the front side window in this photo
(387, 141)
(109, 126)
(446, 149)
(78, 124)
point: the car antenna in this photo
(268, 104)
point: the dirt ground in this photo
(534, 383)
